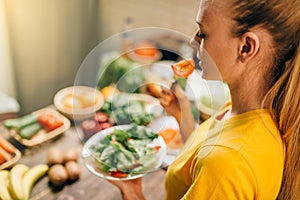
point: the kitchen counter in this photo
(89, 186)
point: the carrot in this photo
(168, 134)
(6, 145)
(7, 156)
(2, 159)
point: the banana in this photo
(31, 177)
(16, 183)
(4, 184)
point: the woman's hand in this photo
(130, 189)
(176, 103)
(172, 100)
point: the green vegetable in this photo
(127, 151)
(195, 112)
(182, 82)
(30, 130)
(21, 122)
(126, 111)
(124, 73)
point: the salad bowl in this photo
(124, 152)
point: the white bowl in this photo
(78, 102)
(89, 156)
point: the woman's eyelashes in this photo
(200, 35)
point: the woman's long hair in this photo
(281, 18)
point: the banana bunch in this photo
(17, 183)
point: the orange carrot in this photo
(2, 159)
(6, 145)
(7, 156)
(168, 134)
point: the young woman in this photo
(251, 149)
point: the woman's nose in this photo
(195, 42)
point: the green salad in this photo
(126, 152)
(126, 74)
(125, 110)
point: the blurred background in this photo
(43, 43)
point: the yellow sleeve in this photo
(222, 174)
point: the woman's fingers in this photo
(166, 97)
(179, 93)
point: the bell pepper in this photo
(49, 122)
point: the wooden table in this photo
(89, 186)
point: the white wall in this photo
(49, 39)
(7, 82)
(178, 15)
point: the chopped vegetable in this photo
(126, 152)
(21, 122)
(183, 68)
(146, 48)
(125, 110)
(6, 145)
(49, 122)
(101, 117)
(119, 174)
(125, 74)
(4, 155)
(105, 125)
(28, 125)
(29, 131)
(168, 134)
(90, 127)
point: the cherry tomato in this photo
(183, 68)
(118, 174)
(105, 125)
(101, 117)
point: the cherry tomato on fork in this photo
(183, 68)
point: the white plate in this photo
(168, 122)
(91, 164)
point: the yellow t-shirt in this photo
(237, 158)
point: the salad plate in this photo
(127, 108)
(124, 152)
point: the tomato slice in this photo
(183, 68)
(49, 122)
(146, 48)
(156, 148)
(118, 174)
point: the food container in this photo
(42, 135)
(145, 52)
(78, 102)
(215, 97)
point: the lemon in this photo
(109, 91)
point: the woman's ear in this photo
(249, 46)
